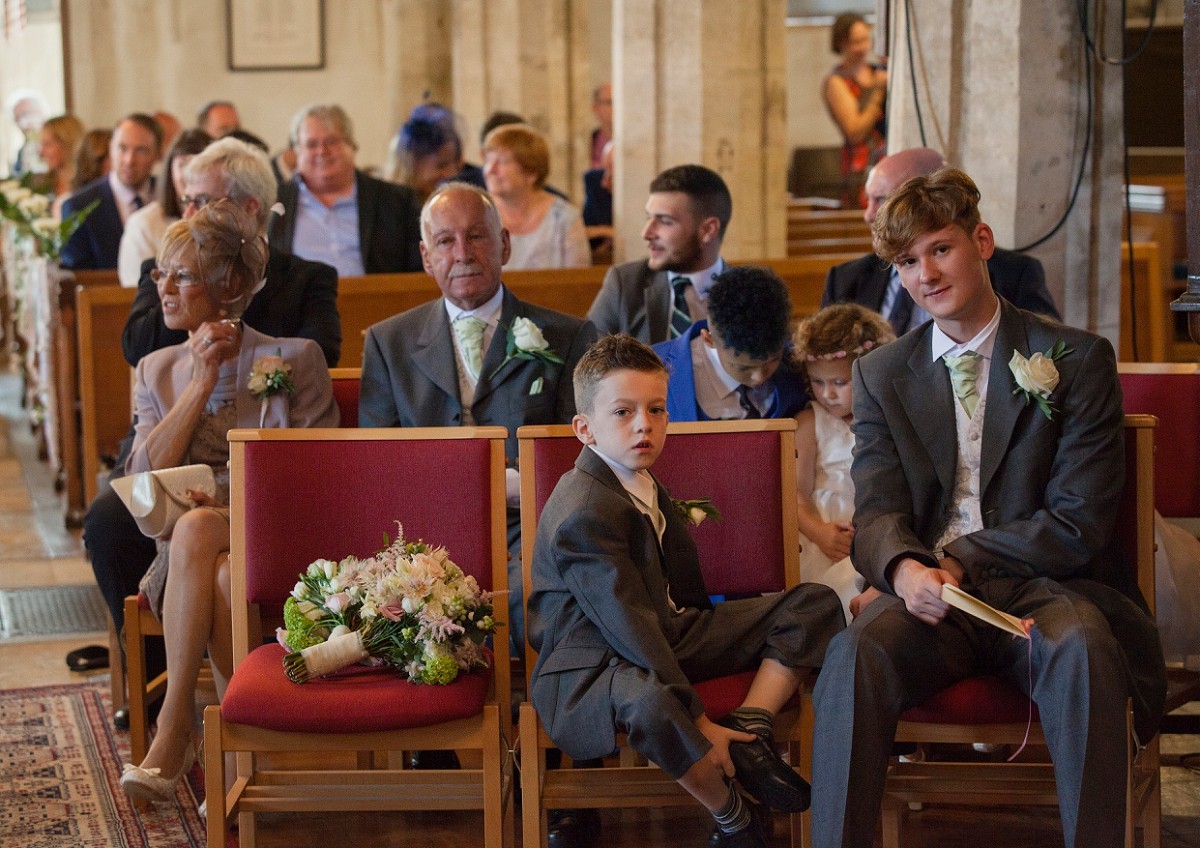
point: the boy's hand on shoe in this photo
(720, 737)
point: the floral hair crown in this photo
(840, 354)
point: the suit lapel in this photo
(658, 315)
(875, 286)
(927, 398)
(367, 202)
(434, 351)
(1003, 407)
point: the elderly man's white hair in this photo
(490, 211)
(246, 169)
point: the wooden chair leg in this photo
(135, 655)
(533, 817)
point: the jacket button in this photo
(612, 662)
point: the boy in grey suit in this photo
(623, 624)
(988, 455)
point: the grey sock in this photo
(757, 721)
(735, 815)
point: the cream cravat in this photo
(469, 331)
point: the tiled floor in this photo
(36, 550)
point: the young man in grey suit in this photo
(658, 298)
(476, 356)
(870, 282)
(989, 455)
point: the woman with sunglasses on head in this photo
(188, 397)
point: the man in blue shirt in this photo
(338, 215)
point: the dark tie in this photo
(752, 411)
(681, 319)
(137, 202)
(901, 313)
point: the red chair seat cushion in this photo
(721, 695)
(975, 700)
(357, 700)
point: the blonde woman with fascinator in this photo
(188, 397)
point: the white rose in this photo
(527, 336)
(34, 205)
(696, 515)
(1036, 375)
(45, 227)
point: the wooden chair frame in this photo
(260, 788)
(990, 784)
(634, 783)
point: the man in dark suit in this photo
(870, 282)
(135, 147)
(298, 298)
(732, 365)
(338, 215)
(984, 463)
(658, 298)
(476, 356)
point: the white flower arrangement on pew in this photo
(408, 607)
(28, 210)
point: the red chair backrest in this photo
(1174, 398)
(739, 472)
(307, 500)
(345, 393)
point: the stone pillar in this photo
(702, 81)
(1003, 93)
(528, 57)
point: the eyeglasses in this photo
(333, 142)
(183, 279)
(199, 201)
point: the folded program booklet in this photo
(971, 605)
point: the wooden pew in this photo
(104, 377)
(362, 301)
(66, 384)
(824, 231)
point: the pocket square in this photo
(536, 387)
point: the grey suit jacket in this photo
(164, 374)
(1049, 489)
(599, 591)
(1017, 278)
(634, 300)
(410, 376)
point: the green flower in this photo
(302, 631)
(440, 670)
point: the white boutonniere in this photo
(1037, 376)
(525, 341)
(270, 375)
(696, 510)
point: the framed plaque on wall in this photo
(276, 35)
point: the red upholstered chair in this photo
(1171, 393)
(749, 472)
(346, 383)
(296, 496)
(988, 709)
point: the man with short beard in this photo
(656, 299)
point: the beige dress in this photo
(210, 445)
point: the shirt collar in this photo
(124, 195)
(982, 343)
(488, 313)
(638, 483)
(702, 281)
(714, 360)
(307, 198)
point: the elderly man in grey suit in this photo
(988, 455)
(476, 356)
(656, 299)
(872, 283)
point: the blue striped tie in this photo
(681, 319)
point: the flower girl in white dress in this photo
(826, 345)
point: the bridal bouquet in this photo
(408, 607)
